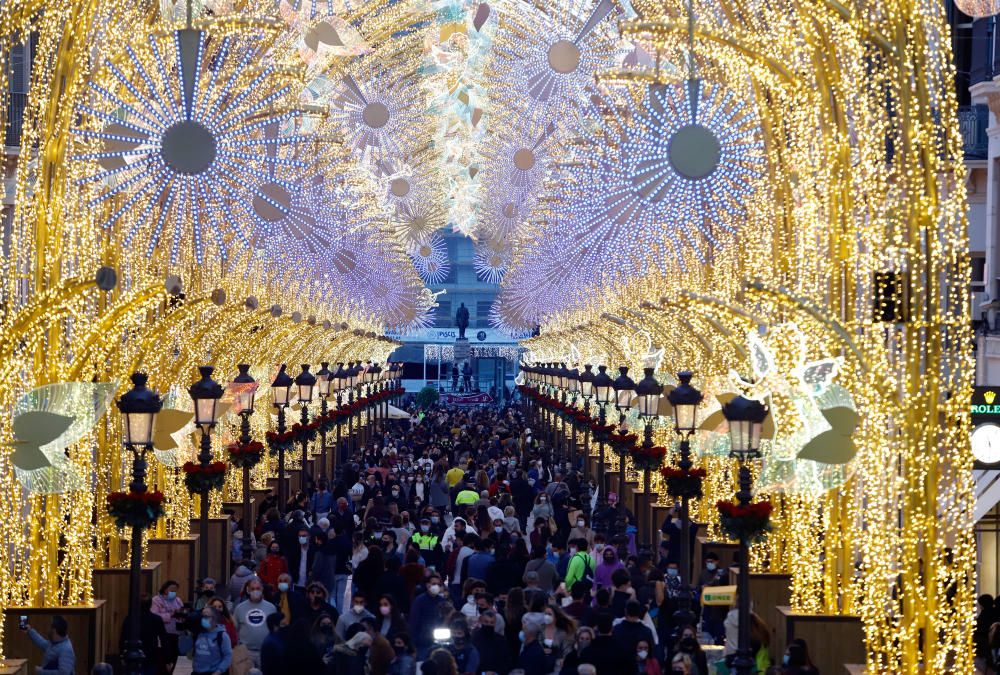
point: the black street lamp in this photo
(305, 382)
(352, 381)
(684, 400)
(604, 393)
(585, 383)
(624, 389)
(745, 417)
(572, 382)
(648, 392)
(281, 390)
(138, 407)
(246, 392)
(339, 379)
(323, 382)
(205, 393)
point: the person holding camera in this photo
(59, 658)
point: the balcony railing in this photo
(972, 122)
(15, 119)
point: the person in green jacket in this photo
(468, 496)
(581, 564)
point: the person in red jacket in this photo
(273, 566)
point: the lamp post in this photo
(138, 407)
(281, 390)
(648, 392)
(684, 400)
(585, 382)
(624, 389)
(305, 382)
(745, 417)
(246, 393)
(323, 377)
(572, 382)
(563, 377)
(339, 383)
(603, 390)
(352, 374)
(205, 393)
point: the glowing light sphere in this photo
(176, 132)
(979, 9)
(430, 258)
(518, 165)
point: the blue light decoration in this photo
(380, 113)
(549, 67)
(179, 133)
(491, 261)
(430, 258)
(650, 190)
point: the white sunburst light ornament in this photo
(492, 258)
(430, 257)
(178, 126)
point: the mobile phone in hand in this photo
(22, 622)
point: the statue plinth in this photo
(462, 349)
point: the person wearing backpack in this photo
(213, 652)
(581, 564)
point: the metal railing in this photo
(973, 121)
(15, 119)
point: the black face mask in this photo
(688, 645)
(208, 592)
(487, 631)
(327, 630)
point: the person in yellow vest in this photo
(468, 496)
(428, 542)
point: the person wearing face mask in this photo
(390, 620)
(170, 608)
(251, 618)
(213, 652)
(609, 563)
(323, 637)
(272, 566)
(713, 617)
(558, 630)
(287, 599)
(542, 508)
(688, 644)
(632, 630)
(533, 660)
(646, 664)
(424, 612)
(494, 656)
(580, 529)
(462, 650)
(300, 558)
(354, 614)
(405, 661)
(572, 661)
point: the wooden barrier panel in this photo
(14, 667)
(219, 546)
(178, 560)
(86, 631)
(111, 585)
(833, 639)
(723, 549)
(768, 592)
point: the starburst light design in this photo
(430, 258)
(491, 261)
(178, 133)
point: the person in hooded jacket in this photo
(609, 563)
(213, 652)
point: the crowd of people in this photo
(454, 542)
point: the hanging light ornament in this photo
(430, 257)
(978, 9)
(176, 132)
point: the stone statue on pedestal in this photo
(462, 321)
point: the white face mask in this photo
(548, 619)
(643, 654)
(710, 566)
(434, 589)
(303, 540)
(580, 523)
(548, 642)
(256, 595)
(471, 599)
(572, 550)
(358, 609)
